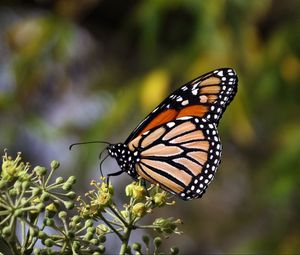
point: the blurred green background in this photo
(91, 70)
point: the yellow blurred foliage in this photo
(26, 37)
(242, 130)
(290, 68)
(154, 89)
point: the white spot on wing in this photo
(185, 102)
(171, 124)
(220, 73)
(195, 92)
(179, 99)
(185, 118)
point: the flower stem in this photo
(126, 237)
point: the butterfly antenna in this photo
(101, 162)
(73, 144)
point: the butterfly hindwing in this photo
(205, 97)
(181, 155)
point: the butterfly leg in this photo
(113, 174)
(144, 184)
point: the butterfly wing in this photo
(205, 97)
(181, 155)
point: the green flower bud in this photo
(40, 171)
(54, 164)
(67, 186)
(95, 241)
(136, 246)
(167, 226)
(146, 240)
(59, 180)
(69, 205)
(76, 219)
(62, 215)
(88, 236)
(45, 196)
(96, 253)
(49, 242)
(101, 248)
(49, 222)
(157, 242)
(91, 230)
(71, 179)
(13, 192)
(160, 199)
(71, 194)
(102, 229)
(174, 250)
(102, 238)
(37, 251)
(88, 223)
(6, 231)
(51, 210)
(139, 209)
(42, 235)
(35, 191)
(25, 185)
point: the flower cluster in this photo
(42, 208)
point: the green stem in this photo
(49, 177)
(145, 227)
(112, 227)
(125, 241)
(118, 215)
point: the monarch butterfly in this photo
(177, 145)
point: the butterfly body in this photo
(177, 145)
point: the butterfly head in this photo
(124, 157)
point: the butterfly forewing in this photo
(205, 97)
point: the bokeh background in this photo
(92, 69)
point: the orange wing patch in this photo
(162, 118)
(193, 110)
